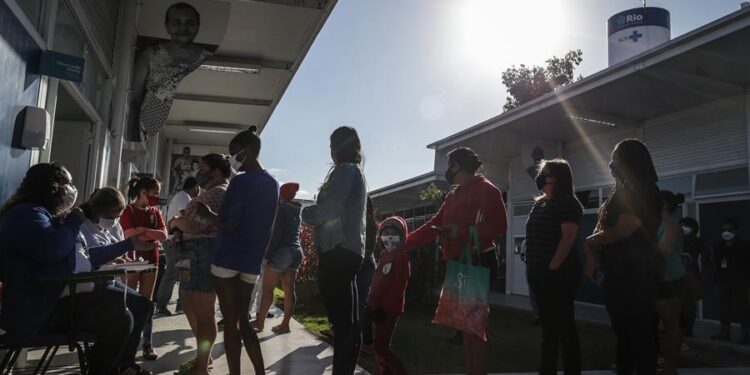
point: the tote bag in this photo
(464, 299)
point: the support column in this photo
(125, 57)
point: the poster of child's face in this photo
(169, 49)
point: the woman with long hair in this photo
(339, 219)
(626, 247)
(142, 215)
(42, 237)
(474, 201)
(554, 269)
(245, 221)
(197, 245)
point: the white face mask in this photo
(235, 162)
(727, 236)
(108, 223)
(390, 242)
(69, 199)
(686, 230)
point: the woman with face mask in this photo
(197, 245)
(143, 216)
(41, 235)
(474, 201)
(554, 269)
(625, 245)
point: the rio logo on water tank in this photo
(636, 30)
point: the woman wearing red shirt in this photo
(142, 215)
(474, 201)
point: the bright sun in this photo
(498, 33)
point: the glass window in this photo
(522, 208)
(33, 10)
(68, 38)
(682, 185)
(722, 182)
(588, 198)
(606, 192)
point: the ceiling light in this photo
(216, 131)
(230, 69)
(593, 121)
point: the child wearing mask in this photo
(385, 302)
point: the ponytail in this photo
(136, 184)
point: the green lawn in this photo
(514, 343)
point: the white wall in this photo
(70, 147)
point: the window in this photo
(68, 38)
(588, 198)
(522, 208)
(722, 182)
(33, 11)
(683, 184)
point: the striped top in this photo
(543, 229)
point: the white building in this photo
(687, 99)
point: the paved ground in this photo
(724, 371)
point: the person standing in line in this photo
(385, 303)
(283, 258)
(339, 217)
(198, 235)
(190, 190)
(364, 278)
(691, 257)
(625, 243)
(142, 214)
(671, 288)
(732, 262)
(554, 269)
(245, 222)
(475, 201)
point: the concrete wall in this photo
(19, 87)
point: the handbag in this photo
(464, 303)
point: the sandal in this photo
(280, 331)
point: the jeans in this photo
(364, 279)
(630, 297)
(169, 278)
(388, 362)
(336, 276)
(555, 294)
(100, 312)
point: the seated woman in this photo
(41, 236)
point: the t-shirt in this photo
(543, 229)
(97, 236)
(150, 218)
(246, 219)
(212, 198)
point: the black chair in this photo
(75, 339)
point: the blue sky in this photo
(408, 72)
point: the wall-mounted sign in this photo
(60, 65)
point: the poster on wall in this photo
(174, 39)
(532, 155)
(183, 166)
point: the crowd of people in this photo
(232, 223)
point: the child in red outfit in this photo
(385, 302)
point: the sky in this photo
(406, 73)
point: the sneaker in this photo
(163, 311)
(149, 354)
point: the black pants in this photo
(101, 313)
(555, 295)
(364, 279)
(630, 296)
(337, 282)
(733, 302)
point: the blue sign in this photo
(60, 65)
(638, 17)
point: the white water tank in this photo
(636, 30)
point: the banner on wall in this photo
(174, 39)
(533, 153)
(183, 166)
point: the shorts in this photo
(670, 289)
(226, 273)
(286, 258)
(199, 253)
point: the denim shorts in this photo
(199, 251)
(285, 258)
